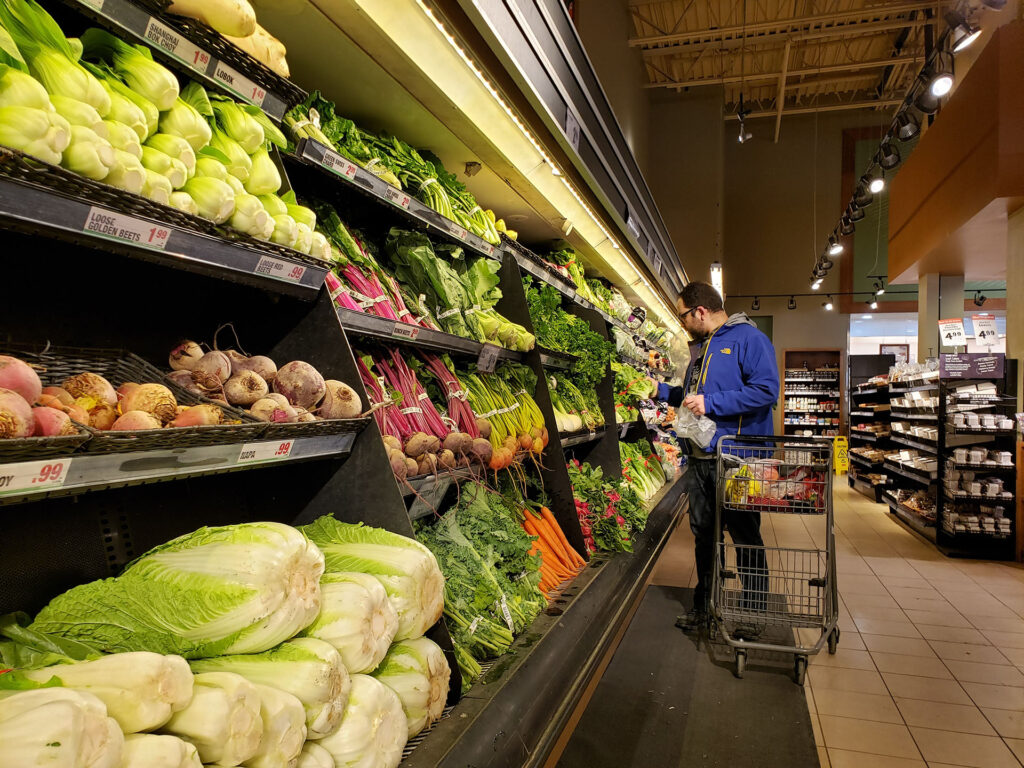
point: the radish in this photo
(269, 410)
(212, 370)
(133, 420)
(261, 365)
(49, 422)
(16, 418)
(198, 416)
(245, 388)
(61, 395)
(301, 383)
(151, 398)
(91, 385)
(19, 377)
(340, 401)
(185, 356)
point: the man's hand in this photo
(695, 403)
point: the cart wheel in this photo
(741, 662)
(799, 669)
(833, 641)
(712, 630)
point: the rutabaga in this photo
(57, 728)
(264, 178)
(215, 198)
(88, 155)
(373, 732)
(407, 569)
(357, 618)
(135, 65)
(141, 690)
(222, 720)
(229, 589)
(309, 669)
(419, 673)
(284, 729)
(152, 750)
(314, 756)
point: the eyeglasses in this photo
(688, 312)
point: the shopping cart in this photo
(763, 596)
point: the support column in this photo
(927, 317)
(951, 303)
(1014, 290)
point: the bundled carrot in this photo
(559, 561)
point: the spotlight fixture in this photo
(846, 227)
(940, 74)
(834, 246)
(964, 32)
(855, 212)
(755, 304)
(888, 156)
(819, 272)
(792, 303)
(907, 126)
(828, 304)
(980, 299)
(873, 304)
(876, 180)
(816, 284)
(879, 288)
(825, 263)
(741, 113)
(862, 196)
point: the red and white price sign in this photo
(168, 40)
(240, 84)
(335, 162)
(457, 231)
(487, 248)
(274, 450)
(282, 270)
(33, 476)
(117, 226)
(397, 196)
(405, 331)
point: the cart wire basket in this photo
(774, 598)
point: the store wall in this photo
(604, 27)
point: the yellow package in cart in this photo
(742, 484)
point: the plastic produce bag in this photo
(700, 430)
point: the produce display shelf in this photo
(397, 332)
(1004, 498)
(34, 210)
(913, 520)
(578, 438)
(197, 51)
(78, 473)
(895, 387)
(514, 715)
(986, 467)
(423, 484)
(915, 416)
(312, 153)
(871, 437)
(550, 358)
(864, 462)
(919, 444)
(926, 479)
(530, 262)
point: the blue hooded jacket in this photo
(738, 378)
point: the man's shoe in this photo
(693, 621)
(748, 632)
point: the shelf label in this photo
(396, 196)
(405, 331)
(282, 270)
(33, 476)
(335, 162)
(985, 330)
(455, 230)
(507, 613)
(632, 225)
(239, 84)
(488, 357)
(117, 226)
(274, 450)
(951, 333)
(168, 40)
(971, 366)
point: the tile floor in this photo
(930, 667)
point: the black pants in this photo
(744, 528)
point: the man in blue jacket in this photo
(733, 379)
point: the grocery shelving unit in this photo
(868, 411)
(812, 391)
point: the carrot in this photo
(547, 516)
(550, 540)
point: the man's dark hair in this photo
(699, 294)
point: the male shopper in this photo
(734, 381)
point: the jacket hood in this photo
(740, 318)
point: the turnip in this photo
(482, 450)
(301, 383)
(245, 388)
(16, 418)
(185, 356)
(212, 370)
(236, 358)
(60, 394)
(151, 398)
(392, 443)
(133, 420)
(340, 401)
(416, 445)
(279, 399)
(484, 426)
(101, 416)
(91, 385)
(269, 410)
(261, 365)
(303, 416)
(18, 376)
(184, 380)
(49, 422)
(198, 416)
(446, 460)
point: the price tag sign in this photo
(405, 331)
(335, 162)
(397, 196)
(632, 225)
(166, 39)
(951, 333)
(488, 358)
(33, 476)
(117, 226)
(240, 84)
(985, 330)
(506, 613)
(274, 450)
(280, 269)
(487, 248)
(456, 231)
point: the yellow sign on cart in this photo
(840, 451)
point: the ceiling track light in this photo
(755, 305)
(854, 212)
(925, 101)
(980, 299)
(942, 75)
(873, 304)
(816, 284)
(825, 263)
(834, 246)
(963, 31)
(827, 304)
(846, 227)
(879, 288)
(792, 303)
(862, 196)
(888, 155)
(875, 180)
(907, 126)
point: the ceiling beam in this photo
(794, 25)
(851, 66)
(839, 107)
(781, 98)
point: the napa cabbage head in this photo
(223, 719)
(230, 589)
(419, 673)
(407, 570)
(373, 731)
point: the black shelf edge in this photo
(915, 416)
(192, 57)
(404, 334)
(801, 410)
(927, 482)
(871, 437)
(985, 431)
(550, 358)
(532, 263)
(578, 438)
(931, 448)
(981, 498)
(83, 472)
(31, 209)
(864, 462)
(515, 715)
(312, 153)
(813, 393)
(893, 388)
(914, 522)
(984, 467)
